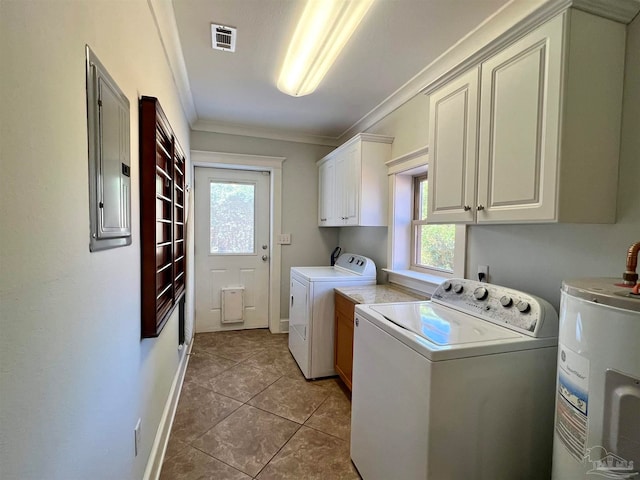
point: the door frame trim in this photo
(273, 165)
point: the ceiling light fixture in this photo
(322, 32)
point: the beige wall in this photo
(310, 245)
(74, 374)
(409, 126)
(535, 258)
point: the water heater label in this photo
(572, 401)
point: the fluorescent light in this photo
(322, 32)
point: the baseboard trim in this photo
(154, 465)
(284, 325)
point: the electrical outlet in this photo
(483, 273)
(136, 437)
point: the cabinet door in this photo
(519, 125)
(453, 120)
(327, 194)
(344, 312)
(348, 186)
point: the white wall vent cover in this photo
(223, 37)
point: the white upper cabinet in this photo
(353, 184)
(519, 128)
(548, 128)
(453, 120)
(327, 193)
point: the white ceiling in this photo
(396, 40)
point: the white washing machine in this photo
(597, 426)
(458, 387)
(311, 311)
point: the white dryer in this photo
(311, 310)
(457, 387)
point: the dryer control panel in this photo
(356, 264)
(503, 306)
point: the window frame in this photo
(416, 222)
(401, 171)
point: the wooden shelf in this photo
(162, 172)
(162, 186)
(164, 267)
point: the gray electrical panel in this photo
(109, 159)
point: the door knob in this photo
(264, 258)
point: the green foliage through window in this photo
(435, 244)
(232, 218)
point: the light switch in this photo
(284, 239)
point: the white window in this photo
(232, 215)
(433, 246)
(420, 255)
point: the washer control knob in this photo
(447, 286)
(351, 259)
(523, 307)
(506, 302)
(480, 293)
(458, 288)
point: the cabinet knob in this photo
(323, 219)
(480, 207)
(357, 322)
(467, 208)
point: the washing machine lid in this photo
(323, 274)
(443, 326)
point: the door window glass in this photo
(232, 213)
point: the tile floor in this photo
(246, 411)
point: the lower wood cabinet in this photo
(343, 353)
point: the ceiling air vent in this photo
(223, 37)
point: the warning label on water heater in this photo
(572, 402)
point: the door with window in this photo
(232, 218)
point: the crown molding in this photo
(263, 132)
(408, 161)
(500, 41)
(165, 21)
(496, 24)
(511, 21)
(367, 137)
(508, 23)
(204, 158)
(622, 11)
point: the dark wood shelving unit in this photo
(162, 218)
